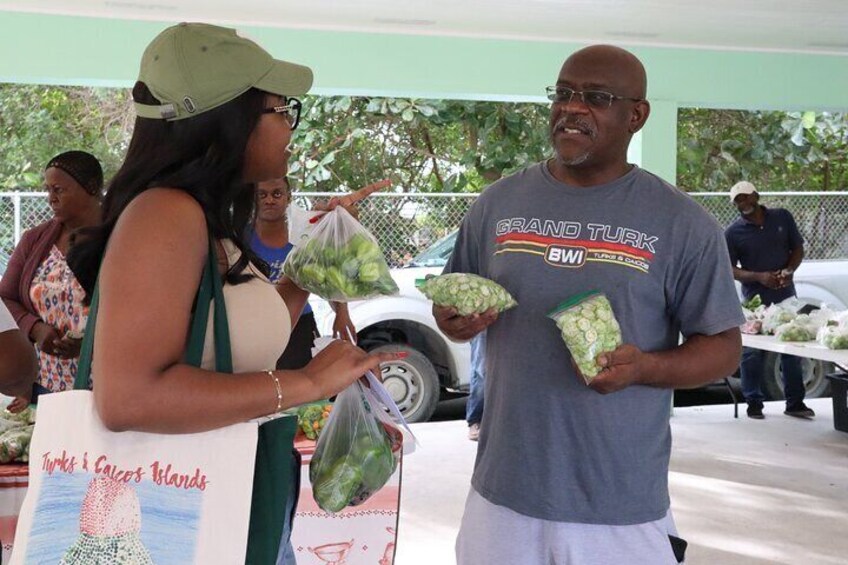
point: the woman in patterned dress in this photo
(39, 289)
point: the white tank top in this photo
(258, 318)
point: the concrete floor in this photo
(743, 492)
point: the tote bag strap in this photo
(210, 289)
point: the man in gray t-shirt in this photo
(552, 448)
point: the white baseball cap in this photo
(742, 187)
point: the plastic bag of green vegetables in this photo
(755, 302)
(357, 452)
(795, 331)
(340, 261)
(467, 293)
(833, 337)
(14, 444)
(589, 328)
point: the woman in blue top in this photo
(269, 239)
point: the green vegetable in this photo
(353, 476)
(351, 271)
(589, 328)
(834, 338)
(14, 443)
(313, 417)
(754, 303)
(334, 489)
(467, 293)
(793, 331)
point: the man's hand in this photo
(621, 368)
(770, 279)
(462, 328)
(45, 337)
(785, 277)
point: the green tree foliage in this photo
(775, 150)
(38, 122)
(422, 145)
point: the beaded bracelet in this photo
(279, 391)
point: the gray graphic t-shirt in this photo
(551, 447)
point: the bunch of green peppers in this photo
(352, 271)
(350, 479)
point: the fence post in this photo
(16, 206)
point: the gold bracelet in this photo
(279, 391)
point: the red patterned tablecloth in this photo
(14, 479)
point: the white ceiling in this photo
(814, 26)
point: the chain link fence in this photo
(405, 224)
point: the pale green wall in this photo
(88, 51)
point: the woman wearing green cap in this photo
(215, 114)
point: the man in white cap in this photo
(765, 250)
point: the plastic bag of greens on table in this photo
(795, 331)
(776, 315)
(833, 337)
(467, 293)
(357, 452)
(340, 261)
(589, 328)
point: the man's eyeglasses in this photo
(292, 111)
(592, 98)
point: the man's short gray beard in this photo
(579, 160)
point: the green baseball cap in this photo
(191, 68)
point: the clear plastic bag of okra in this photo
(588, 328)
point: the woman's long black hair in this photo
(202, 155)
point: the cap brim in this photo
(286, 79)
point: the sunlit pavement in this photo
(744, 492)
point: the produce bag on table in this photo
(340, 261)
(589, 328)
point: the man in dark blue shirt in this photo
(765, 249)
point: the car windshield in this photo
(437, 254)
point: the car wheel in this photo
(814, 371)
(412, 382)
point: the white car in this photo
(405, 323)
(436, 363)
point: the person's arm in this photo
(796, 253)
(10, 286)
(343, 327)
(148, 280)
(18, 364)
(795, 258)
(700, 360)
(294, 297)
(769, 279)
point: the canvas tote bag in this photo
(97, 496)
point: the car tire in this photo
(411, 381)
(815, 381)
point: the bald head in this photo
(627, 70)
